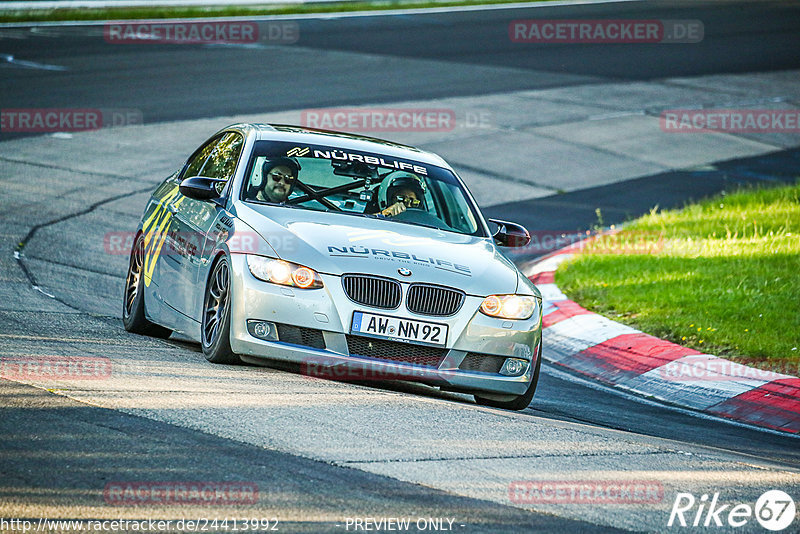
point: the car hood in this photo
(335, 244)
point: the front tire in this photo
(521, 401)
(216, 324)
(133, 315)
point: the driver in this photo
(405, 190)
(281, 175)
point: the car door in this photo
(171, 260)
(196, 221)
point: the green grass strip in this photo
(177, 12)
(721, 276)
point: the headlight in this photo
(283, 273)
(509, 306)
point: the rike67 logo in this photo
(774, 510)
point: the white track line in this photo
(8, 58)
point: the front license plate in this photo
(398, 328)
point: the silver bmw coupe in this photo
(354, 257)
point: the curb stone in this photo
(621, 356)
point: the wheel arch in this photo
(218, 253)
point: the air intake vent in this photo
(484, 363)
(427, 299)
(372, 290)
(395, 351)
(297, 335)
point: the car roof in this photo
(302, 135)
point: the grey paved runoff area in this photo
(72, 190)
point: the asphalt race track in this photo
(355, 60)
(321, 451)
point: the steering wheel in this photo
(418, 216)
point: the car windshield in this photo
(372, 185)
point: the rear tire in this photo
(133, 311)
(522, 401)
(216, 323)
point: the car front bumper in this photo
(325, 315)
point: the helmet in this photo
(399, 181)
(271, 163)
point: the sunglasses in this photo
(409, 201)
(277, 176)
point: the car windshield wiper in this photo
(422, 224)
(384, 218)
(284, 205)
(355, 213)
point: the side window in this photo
(195, 166)
(217, 159)
(223, 159)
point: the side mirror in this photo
(200, 187)
(510, 234)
